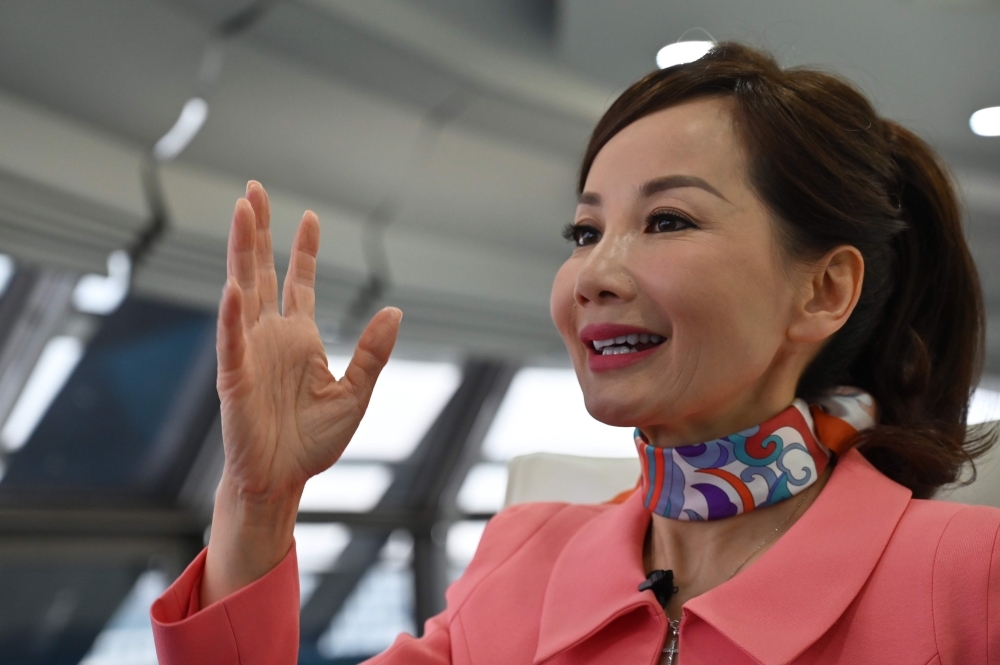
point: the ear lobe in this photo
(832, 292)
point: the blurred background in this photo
(438, 141)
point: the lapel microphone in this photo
(662, 584)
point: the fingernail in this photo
(249, 182)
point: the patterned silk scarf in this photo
(754, 468)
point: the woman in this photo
(749, 242)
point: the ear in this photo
(830, 292)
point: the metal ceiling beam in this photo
(420, 499)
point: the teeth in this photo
(617, 350)
(604, 346)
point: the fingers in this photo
(241, 260)
(267, 280)
(230, 343)
(372, 353)
(299, 294)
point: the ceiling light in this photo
(680, 53)
(54, 367)
(188, 125)
(986, 122)
(100, 294)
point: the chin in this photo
(613, 408)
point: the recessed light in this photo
(680, 53)
(986, 122)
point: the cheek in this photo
(562, 300)
(723, 307)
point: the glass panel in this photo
(128, 418)
(543, 411)
(318, 546)
(483, 489)
(379, 609)
(984, 407)
(408, 397)
(54, 367)
(353, 488)
(128, 637)
(463, 539)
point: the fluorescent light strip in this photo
(58, 360)
(6, 272)
(188, 124)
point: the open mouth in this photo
(622, 344)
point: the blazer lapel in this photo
(596, 578)
(790, 596)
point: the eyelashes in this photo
(665, 221)
(578, 234)
(659, 221)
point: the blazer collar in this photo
(797, 590)
(803, 584)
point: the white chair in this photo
(574, 479)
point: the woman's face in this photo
(674, 252)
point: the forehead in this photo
(696, 137)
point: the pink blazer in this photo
(867, 575)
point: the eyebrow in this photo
(658, 185)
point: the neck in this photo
(706, 554)
(713, 421)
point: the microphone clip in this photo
(661, 582)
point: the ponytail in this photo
(835, 173)
(923, 359)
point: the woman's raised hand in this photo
(285, 417)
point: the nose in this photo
(606, 276)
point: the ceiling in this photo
(453, 125)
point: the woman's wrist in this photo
(251, 534)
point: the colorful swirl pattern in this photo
(757, 467)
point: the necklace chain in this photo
(770, 535)
(672, 650)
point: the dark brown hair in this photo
(833, 172)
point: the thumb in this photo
(372, 353)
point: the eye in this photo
(581, 235)
(666, 221)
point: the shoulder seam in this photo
(236, 642)
(937, 550)
(497, 567)
(989, 585)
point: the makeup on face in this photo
(673, 302)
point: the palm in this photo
(284, 416)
